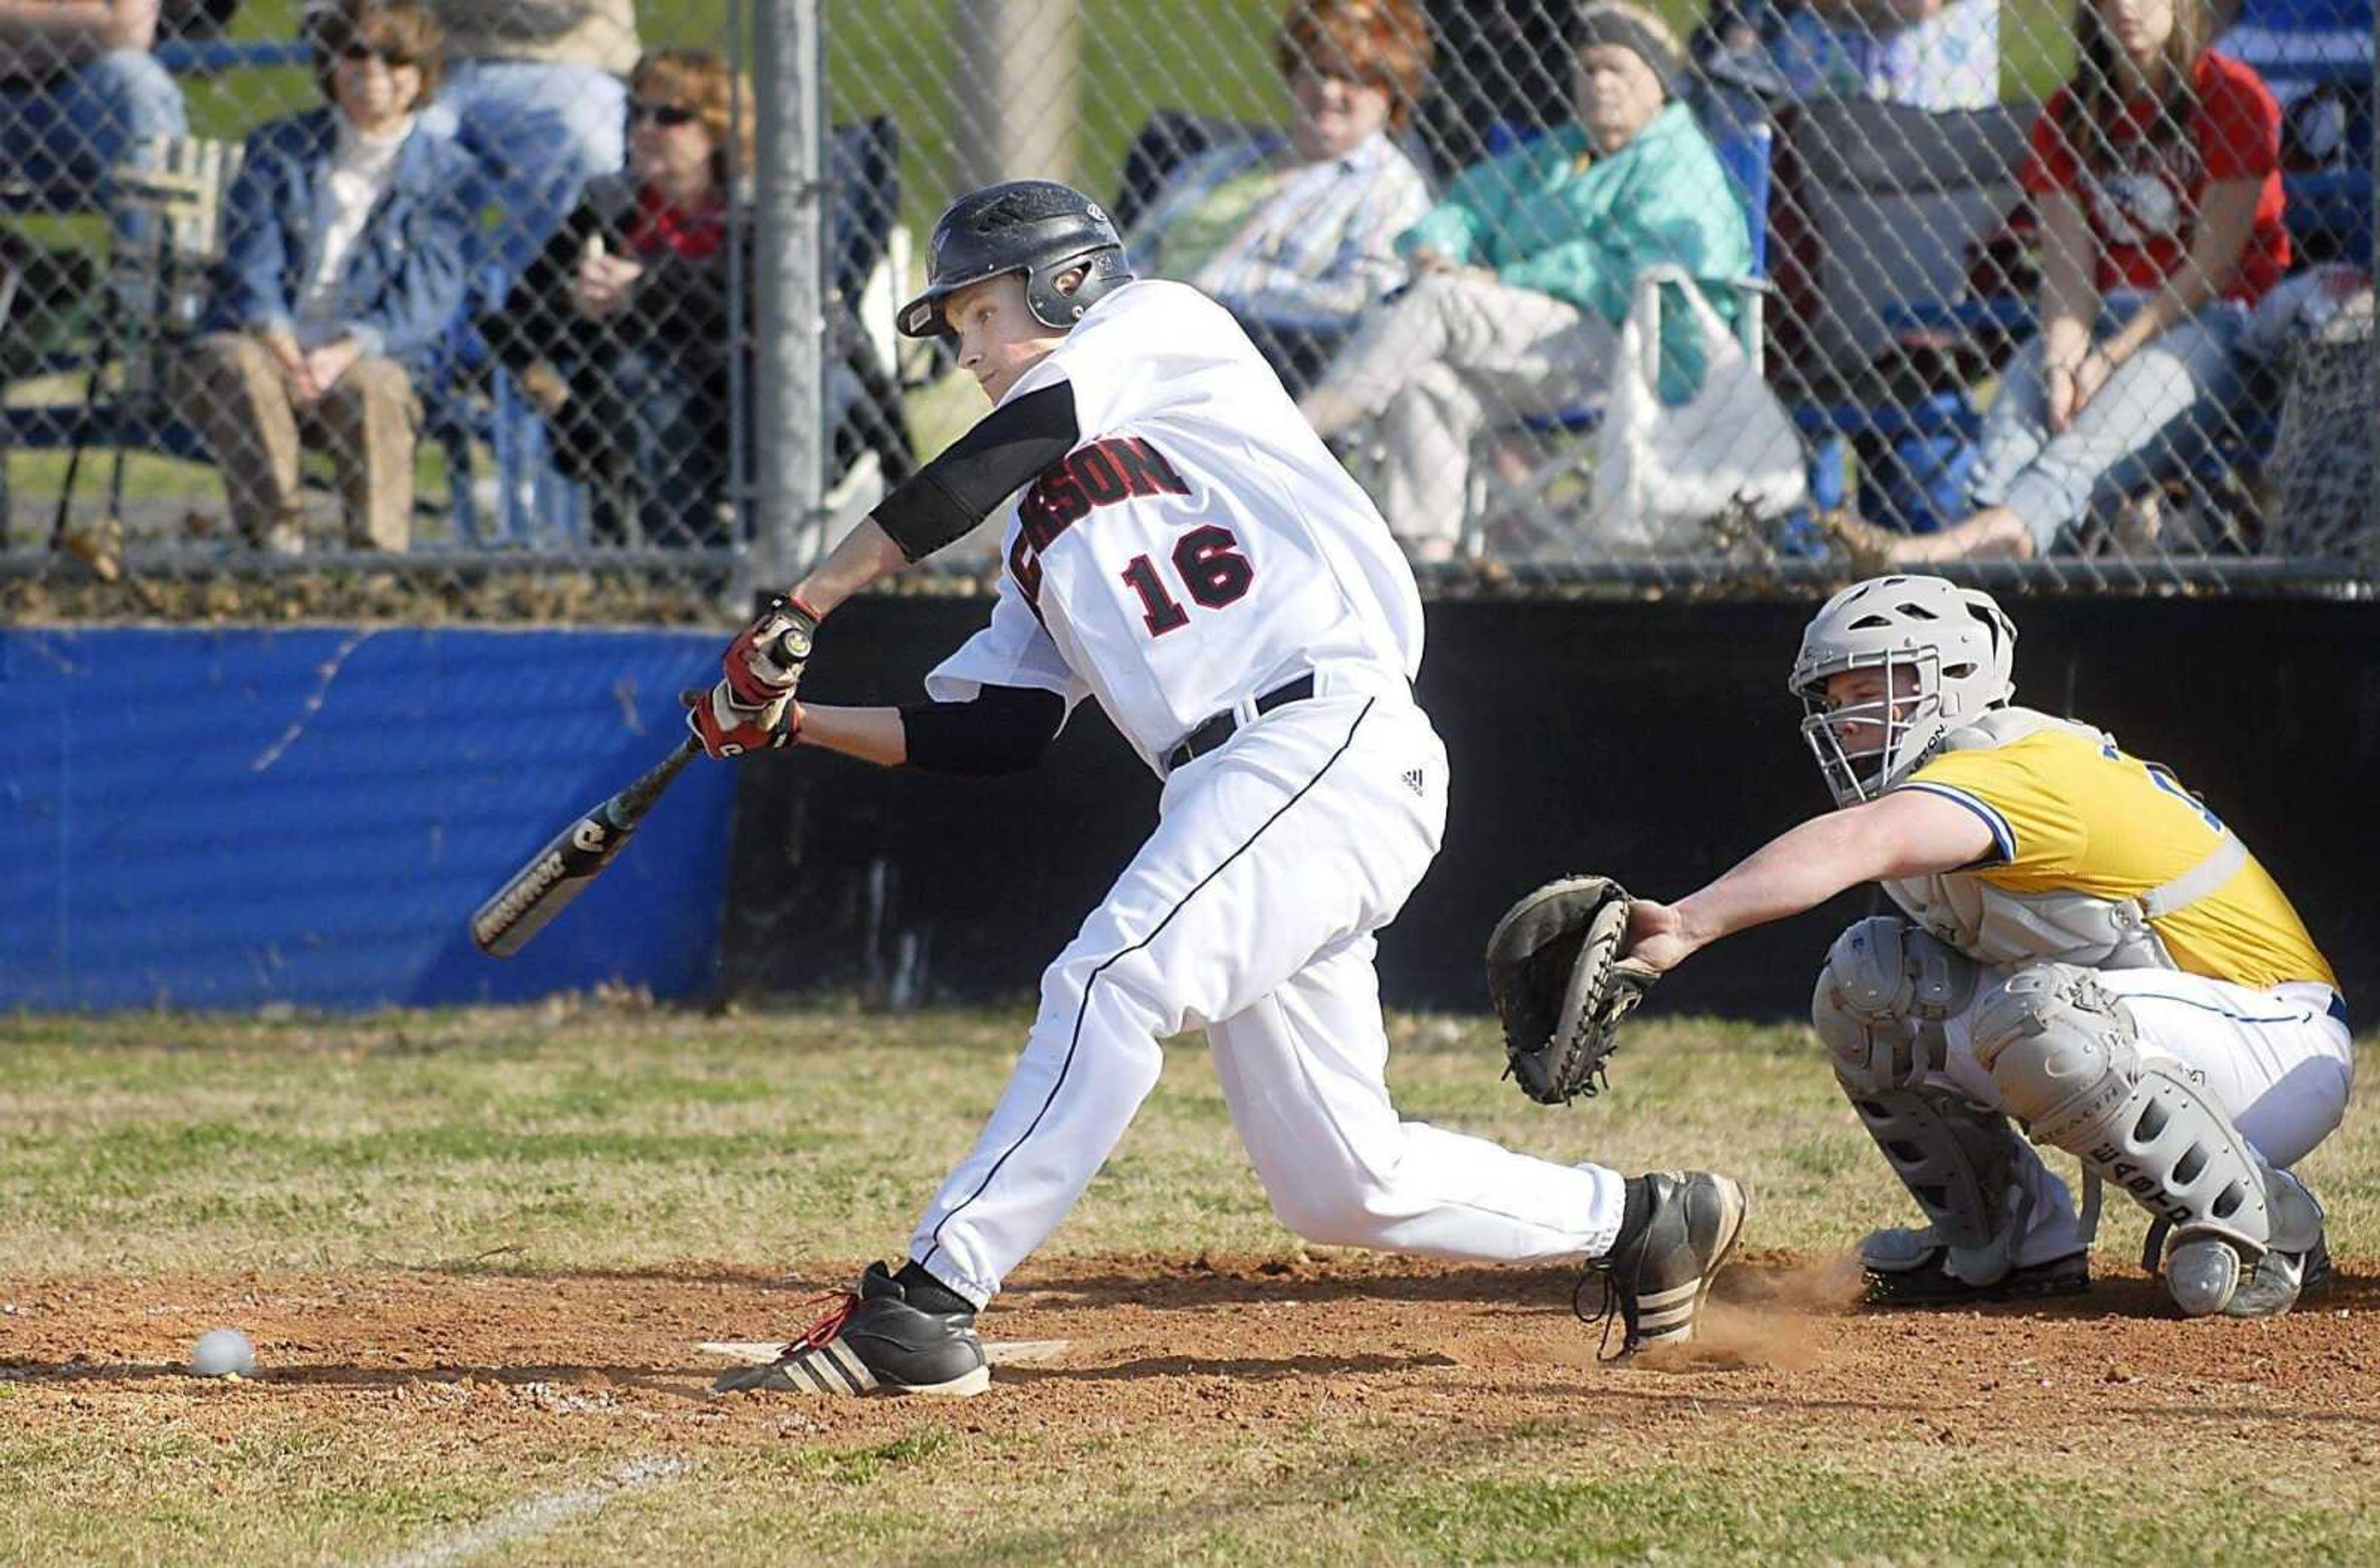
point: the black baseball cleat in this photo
(1674, 1239)
(1927, 1281)
(875, 1341)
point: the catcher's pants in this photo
(1250, 911)
(2278, 1060)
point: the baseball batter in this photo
(2088, 948)
(1181, 548)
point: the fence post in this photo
(1018, 85)
(789, 409)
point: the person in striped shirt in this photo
(1293, 231)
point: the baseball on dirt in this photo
(221, 1353)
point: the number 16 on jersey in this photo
(1210, 568)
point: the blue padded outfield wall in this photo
(199, 819)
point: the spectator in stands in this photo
(1934, 54)
(620, 329)
(78, 91)
(1525, 271)
(2156, 173)
(1294, 231)
(537, 93)
(346, 254)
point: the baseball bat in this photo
(559, 873)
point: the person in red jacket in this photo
(2156, 173)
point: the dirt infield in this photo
(498, 1359)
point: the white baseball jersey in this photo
(1198, 547)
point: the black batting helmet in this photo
(1035, 227)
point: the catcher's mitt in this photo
(1560, 985)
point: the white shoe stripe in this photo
(853, 1368)
(821, 1365)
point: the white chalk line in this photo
(536, 1515)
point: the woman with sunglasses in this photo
(346, 245)
(618, 331)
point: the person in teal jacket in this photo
(1522, 276)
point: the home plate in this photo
(1000, 1352)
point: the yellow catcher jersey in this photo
(2072, 815)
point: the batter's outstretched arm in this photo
(1909, 832)
(1004, 730)
(865, 553)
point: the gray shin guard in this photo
(1956, 1162)
(2066, 1057)
(1881, 1001)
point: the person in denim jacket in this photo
(1524, 274)
(348, 248)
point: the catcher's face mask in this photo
(1873, 720)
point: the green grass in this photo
(622, 1139)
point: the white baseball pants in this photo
(1250, 911)
(2277, 1061)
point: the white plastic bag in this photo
(1663, 472)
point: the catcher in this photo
(2089, 949)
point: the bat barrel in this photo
(557, 874)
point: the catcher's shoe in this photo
(2270, 1287)
(1927, 1281)
(874, 1341)
(1679, 1227)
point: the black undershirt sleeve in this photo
(1004, 730)
(960, 488)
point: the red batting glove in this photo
(765, 660)
(727, 728)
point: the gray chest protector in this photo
(2009, 929)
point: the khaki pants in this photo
(1454, 357)
(231, 388)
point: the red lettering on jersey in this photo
(1100, 473)
(1024, 568)
(1096, 473)
(1144, 468)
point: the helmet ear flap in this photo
(1062, 307)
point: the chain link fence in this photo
(1669, 298)
(405, 308)
(1724, 297)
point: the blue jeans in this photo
(63, 135)
(2157, 412)
(541, 131)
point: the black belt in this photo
(1221, 728)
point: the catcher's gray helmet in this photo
(1956, 643)
(1035, 227)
